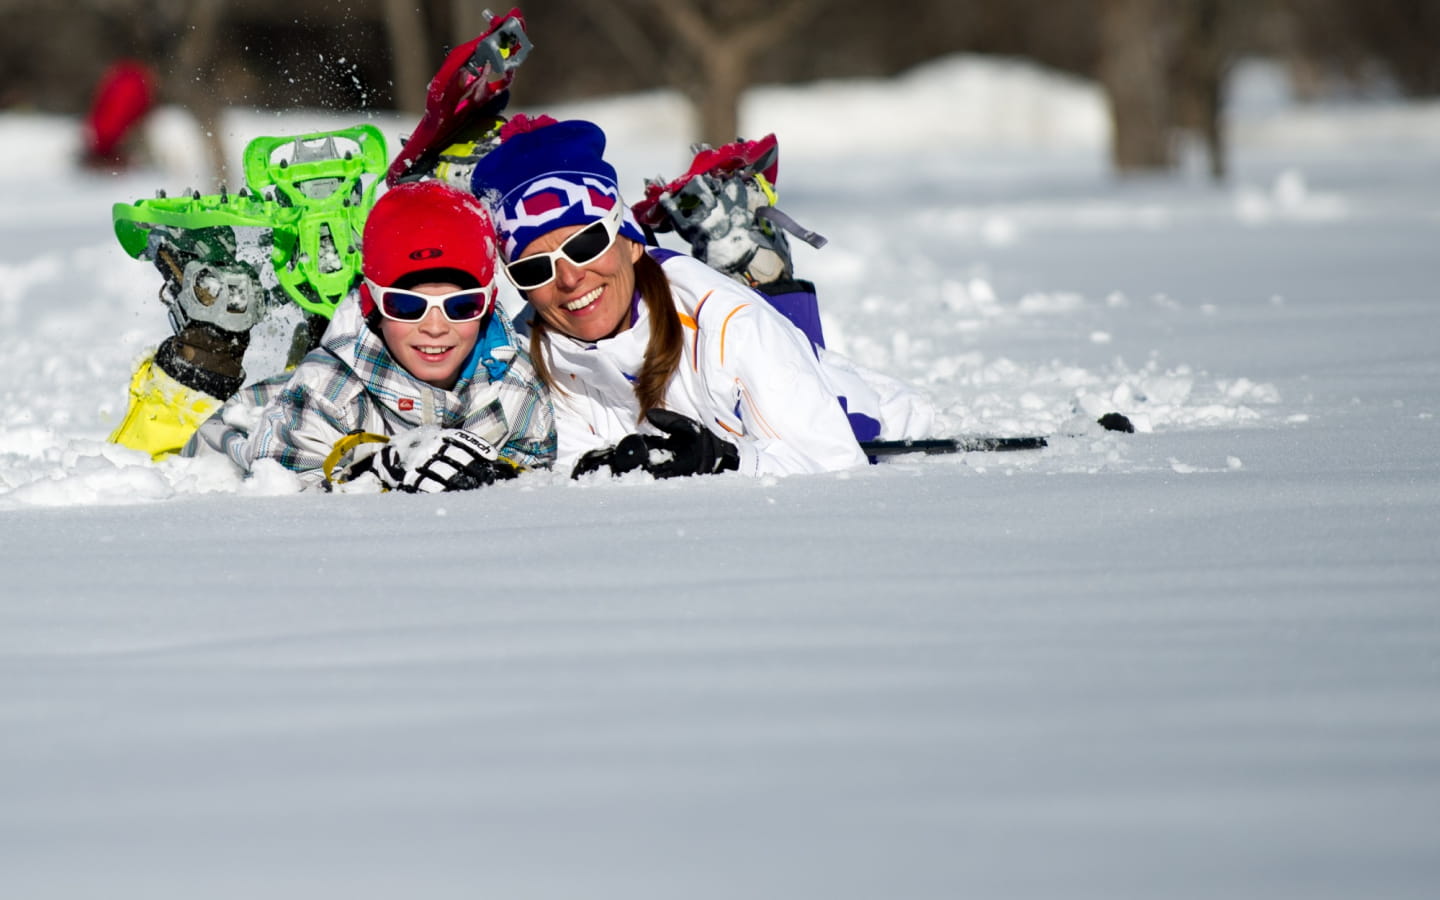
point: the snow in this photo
(1199, 660)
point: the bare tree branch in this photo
(724, 59)
(619, 25)
(685, 21)
(774, 29)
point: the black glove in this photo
(684, 448)
(693, 448)
(627, 456)
(430, 460)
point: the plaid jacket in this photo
(351, 382)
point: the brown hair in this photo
(662, 352)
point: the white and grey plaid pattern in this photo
(352, 383)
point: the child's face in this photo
(433, 349)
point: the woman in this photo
(420, 354)
(655, 360)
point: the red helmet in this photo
(426, 231)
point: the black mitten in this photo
(689, 448)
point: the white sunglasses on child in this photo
(580, 249)
(401, 305)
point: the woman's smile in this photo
(584, 300)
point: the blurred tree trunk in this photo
(1163, 65)
(468, 20)
(405, 25)
(1304, 65)
(709, 60)
(1199, 76)
(191, 81)
(1134, 71)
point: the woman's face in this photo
(586, 302)
(433, 349)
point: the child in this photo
(420, 356)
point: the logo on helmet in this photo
(427, 253)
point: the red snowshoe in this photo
(464, 99)
(724, 208)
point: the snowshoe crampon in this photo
(208, 250)
(464, 101)
(207, 278)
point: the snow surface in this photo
(1198, 661)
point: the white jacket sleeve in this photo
(771, 395)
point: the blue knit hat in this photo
(546, 175)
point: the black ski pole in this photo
(933, 446)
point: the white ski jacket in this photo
(747, 374)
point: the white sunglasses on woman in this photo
(580, 249)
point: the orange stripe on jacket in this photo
(695, 324)
(760, 423)
(726, 325)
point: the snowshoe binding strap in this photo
(208, 276)
(780, 219)
(343, 450)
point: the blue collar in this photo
(483, 353)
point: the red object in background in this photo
(124, 95)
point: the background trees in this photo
(1162, 63)
(708, 50)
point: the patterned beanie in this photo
(546, 175)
